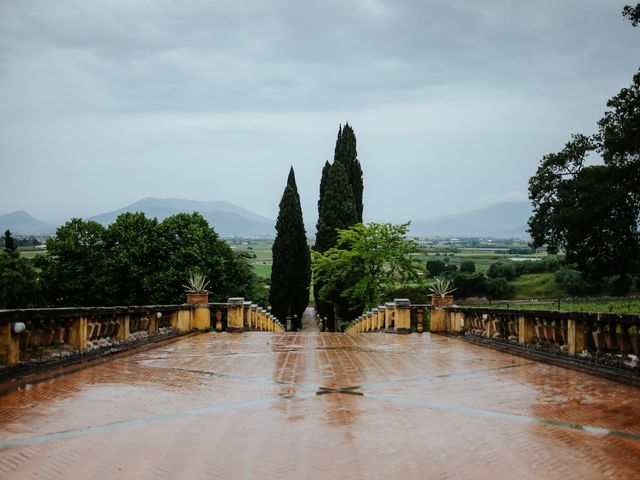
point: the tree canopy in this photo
(367, 261)
(592, 212)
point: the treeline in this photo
(135, 261)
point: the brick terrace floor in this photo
(321, 405)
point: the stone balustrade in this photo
(57, 333)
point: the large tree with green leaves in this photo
(592, 212)
(291, 270)
(19, 283)
(367, 261)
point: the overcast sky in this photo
(453, 101)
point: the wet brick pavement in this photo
(321, 405)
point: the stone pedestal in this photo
(389, 311)
(402, 315)
(235, 314)
(9, 345)
(201, 318)
(575, 337)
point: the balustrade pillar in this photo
(235, 315)
(576, 341)
(389, 311)
(402, 315)
(201, 318)
(254, 315)
(9, 345)
(525, 330)
(78, 334)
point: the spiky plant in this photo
(196, 283)
(442, 287)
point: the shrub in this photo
(499, 288)
(506, 270)
(467, 267)
(470, 284)
(571, 280)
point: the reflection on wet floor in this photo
(321, 404)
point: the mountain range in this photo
(508, 220)
(503, 220)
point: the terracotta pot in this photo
(197, 298)
(438, 301)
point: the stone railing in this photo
(53, 334)
(398, 316)
(603, 342)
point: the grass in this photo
(537, 285)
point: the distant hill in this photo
(227, 219)
(21, 223)
(506, 220)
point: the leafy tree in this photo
(9, 242)
(367, 261)
(187, 243)
(435, 267)
(632, 14)
(592, 212)
(506, 270)
(467, 267)
(133, 257)
(571, 280)
(291, 271)
(469, 284)
(19, 285)
(73, 270)
(499, 289)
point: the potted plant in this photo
(441, 293)
(196, 288)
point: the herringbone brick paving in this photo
(321, 405)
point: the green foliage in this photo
(467, 266)
(416, 293)
(435, 267)
(196, 283)
(346, 153)
(499, 288)
(592, 212)
(571, 280)
(291, 270)
(632, 14)
(73, 271)
(337, 210)
(442, 287)
(19, 285)
(139, 261)
(9, 243)
(506, 270)
(470, 284)
(366, 262)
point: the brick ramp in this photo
(311, 405)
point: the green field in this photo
(258, 254)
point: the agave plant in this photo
(442, 287)
(196, 283)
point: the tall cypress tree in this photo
(291, 271)
(337, 209)
(323, 187)
(347, 154)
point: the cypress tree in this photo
(9, 243)
(291, 271)
(337, 209)
(323, 186)
(347, 154)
